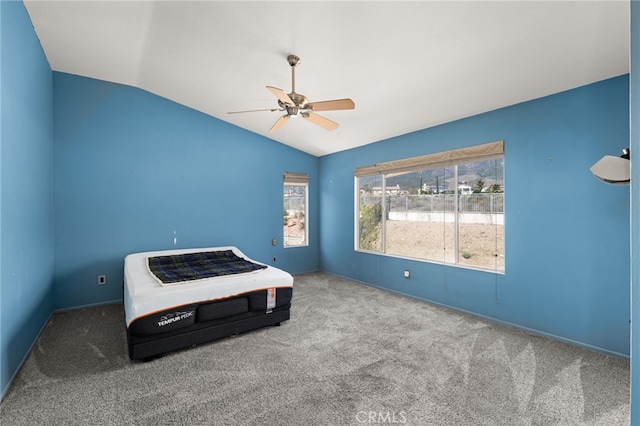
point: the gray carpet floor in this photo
(350, 354)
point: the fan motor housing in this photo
(300, 100)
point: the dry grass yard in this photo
(481, 245)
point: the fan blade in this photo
(278, 124)
(320, 121)
(333, 105)
(283, 97)
(255, 110)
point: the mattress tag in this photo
(271, 299)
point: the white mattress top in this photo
(143, 294)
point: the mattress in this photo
(144, 296)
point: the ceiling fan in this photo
(297, 105)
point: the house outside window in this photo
(296, 202)
(446, 207)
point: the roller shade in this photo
(296, 178)
(437, 160)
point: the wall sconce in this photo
(613, 170)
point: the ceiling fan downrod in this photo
(293, 61)
(299, 101)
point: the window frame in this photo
(440, 160)
(298, 180)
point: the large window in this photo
(295, 209)
(446, 207)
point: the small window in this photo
(296, 201)
(446, 207)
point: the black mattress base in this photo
(145, 348)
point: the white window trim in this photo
(445, 159)
(299, 179)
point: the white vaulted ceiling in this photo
(407, 65)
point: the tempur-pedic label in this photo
(174, 317)
(271, 299)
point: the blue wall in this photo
(131, 168)
(566, 233)
(26, 146)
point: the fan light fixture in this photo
(613, 170)
(297, 105)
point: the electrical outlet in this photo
(102, 279)
(407, 273)
(275, 259)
